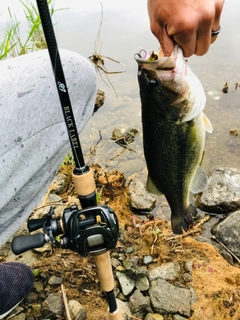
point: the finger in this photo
(166, 42)
(187, 43)
(204, 38)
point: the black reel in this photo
(90, 231)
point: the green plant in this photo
(12, 44)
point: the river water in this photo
(125, 30)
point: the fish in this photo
(174, 128)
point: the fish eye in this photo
(153, 83)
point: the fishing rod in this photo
(93, 230)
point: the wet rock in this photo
(140, 198)
(53, 306)
(169, 271)
(138, 302)
(127, 284)
(99, 100)
(167, 298)
(76, 310)
(223, 192)
(228, 232)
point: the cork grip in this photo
(104, 269)
(117, 315)
(84, 184)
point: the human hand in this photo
(187, 22)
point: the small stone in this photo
(142, 283)
(154, 316)
(55, 280)
(147, 260)
(38, 286)
(128, 264)
(53, 306)
(129, 250)
(137, 302)
(115, 263)
(187, 277)
(31, 297)
(76, 310)
(126, 283)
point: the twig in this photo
(226, 248)
(65, 302)
(184, 235)
(93, 148)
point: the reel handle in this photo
(21, 244)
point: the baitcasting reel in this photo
(90, 231)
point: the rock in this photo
(147, 260)
(77, 312)
(31, 297)
(129, 250)
(99, 100)
(55, 280)
(167, 298)
(126, 283)
(53, 306)
(138, 302)
(142, 283)
(228, 232)
(140, 198)
(169, 271)
(38, 286)
(223, 192)
(115, 263)
(59, 183)
(154, 316)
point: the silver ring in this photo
(215, 33)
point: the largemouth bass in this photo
(174, 125)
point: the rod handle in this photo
(117, 315)
(21, 244)
(104, 269)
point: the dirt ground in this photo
(216, 282)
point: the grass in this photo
(13, 44)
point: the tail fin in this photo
(183, 222)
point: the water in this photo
(125, 30)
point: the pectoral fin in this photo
(207, 124)
(200, 181)
(150, 186)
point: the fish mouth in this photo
(151, 60)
